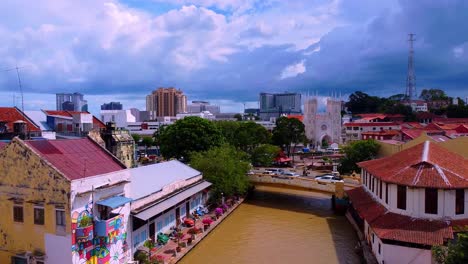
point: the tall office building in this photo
(71, 102)
(112, 106)
(274, 105)
(201, 106)
(166, 102)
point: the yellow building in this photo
(35, 195)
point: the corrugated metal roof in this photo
(171, 201)
(114, 202)
(76, 158)
(149, 179)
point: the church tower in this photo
(310, 117)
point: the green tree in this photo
(225, 167)
(249, 135)
(288, 131)
(358, 151)
(433, 95)
(190, 134)
(228, 130)
(264, 155)
(360, 102)
(455, 252)
(136, 138)
(147, 141)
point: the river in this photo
(273, 226)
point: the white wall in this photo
(120, 117)
(57, 249)
(415, 200)
(397, 254)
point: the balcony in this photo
(104, 227)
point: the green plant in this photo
(85, 221)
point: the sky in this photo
(227, 51)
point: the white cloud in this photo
(293, 70)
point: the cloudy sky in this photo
(227, 51)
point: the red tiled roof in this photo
(462, 128)
(76, 158)
(398, 227)
(412, 125)
(96, 122)
(379, 115)
(424, 165)
(450, 120)
(371, 124)
(298, 117)
(12, 114)
(414, 133)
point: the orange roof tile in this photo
(392, 226)
(12, 114)
(424, 165)
(356, 124)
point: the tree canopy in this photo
(456, 251)
(360, 102)
(358, 151)
(190, 134)
(249, 135)
(433, 95)
(288, 131)
(264, 155)
(225, 167)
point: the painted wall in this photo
(25, 176)
(87, 245)
(57, 242)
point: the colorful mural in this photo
(98, 241)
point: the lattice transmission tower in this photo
(411, 78)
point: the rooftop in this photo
(13, 114)
(152, 178)
(371, 124)
(96, 122)
(424, 165)
(76, 158)
(398, 227)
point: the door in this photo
(177, 216)
(187, 209)
(152, 231)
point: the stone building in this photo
(320, 127)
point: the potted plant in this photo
(193, 232)
(224, 207)
(218, 212)
(207, 222)
(179, 236)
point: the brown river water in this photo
(277, 226)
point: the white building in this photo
(163, 194)
(120, 117)
(40, 119)
(411, 201)
(322, 126)
(203, 114)
(354, 130)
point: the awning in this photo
(172, 201)
(115, 201)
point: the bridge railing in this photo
(305, 183)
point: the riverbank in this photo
(169, 253)
(276, 226)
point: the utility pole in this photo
(411, 78)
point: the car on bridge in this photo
(328, 179)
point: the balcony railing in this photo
(104, 227)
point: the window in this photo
(373, 184)
(379, 248)
(19, 260)
(159, 226)
(39, 215)
(59, 217)
(460, 201)
(373, 238)
(430, 201)
(18, 213)
(380, 189)
(386, 193)
(401, 197)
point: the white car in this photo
(290, 174)
(328, 179)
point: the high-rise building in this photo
(112, 106)
(71, 102)
(201, 106)
(274, 105)
(166, 102)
